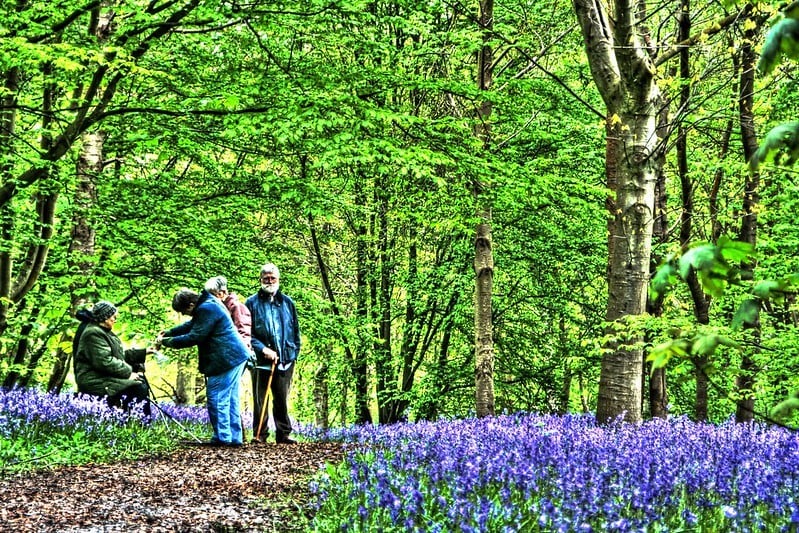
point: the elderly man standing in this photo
(276, 341)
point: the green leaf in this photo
(747, 313)
(661, 354)
(664, 277)
(736, 251)
(700, 258)
(706, 344)
(713, 285)
(785, 408)
(764, 289)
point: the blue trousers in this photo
(224, 405)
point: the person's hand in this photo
(269, 354)
(158, 340)
(138, 376)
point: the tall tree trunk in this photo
(82, 243)
(624, 74)
(700, 300)
(658, 392)
(8, 118)
(321, 395)
(29, 266)
(321, 386)
(438, 374)
(483, 244)
(385, 371)
(359, 361)
(411, 329)
(565, 390)
(82, 236)
(746, 379)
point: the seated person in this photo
(104, 368)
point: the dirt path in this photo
(256, 488)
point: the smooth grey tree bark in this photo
(624, 73)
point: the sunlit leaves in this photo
(689, 346)
(716, 265)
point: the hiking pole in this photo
(266, 395)
(241, 413)
(164, 413)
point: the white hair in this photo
(270, 267)
(216, 284)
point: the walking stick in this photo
(263, 405)
(167, 416)
(241, 414)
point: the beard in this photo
(270, 288)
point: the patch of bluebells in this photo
(29, 409)
(21, 409)
(38, 429)
(190, 414)
(547, 473)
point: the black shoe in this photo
(286, 440)
(257, 440)
(234, 444)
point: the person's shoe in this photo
(234, 444)
(286, 440)
(257, 440)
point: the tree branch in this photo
(711, 30)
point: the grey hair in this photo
(183, 300)
(270, 267)
(216, 284)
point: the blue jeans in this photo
(224, 406)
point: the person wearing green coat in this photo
(104, 368)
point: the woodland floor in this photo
(255, 488)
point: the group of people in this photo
(262, 333)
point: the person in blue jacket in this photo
(275, 339)
(222, 358)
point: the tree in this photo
(483, 245)
(72, 80)
(623, 66)
(625, 76)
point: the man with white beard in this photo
(276, 342)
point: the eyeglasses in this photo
(269, 277)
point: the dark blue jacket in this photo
(211, 329)
(287, 343)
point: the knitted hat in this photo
(102, 311)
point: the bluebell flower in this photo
(567, 473)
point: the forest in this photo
(478, 208)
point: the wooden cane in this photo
(263, 405)
(241, 414)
